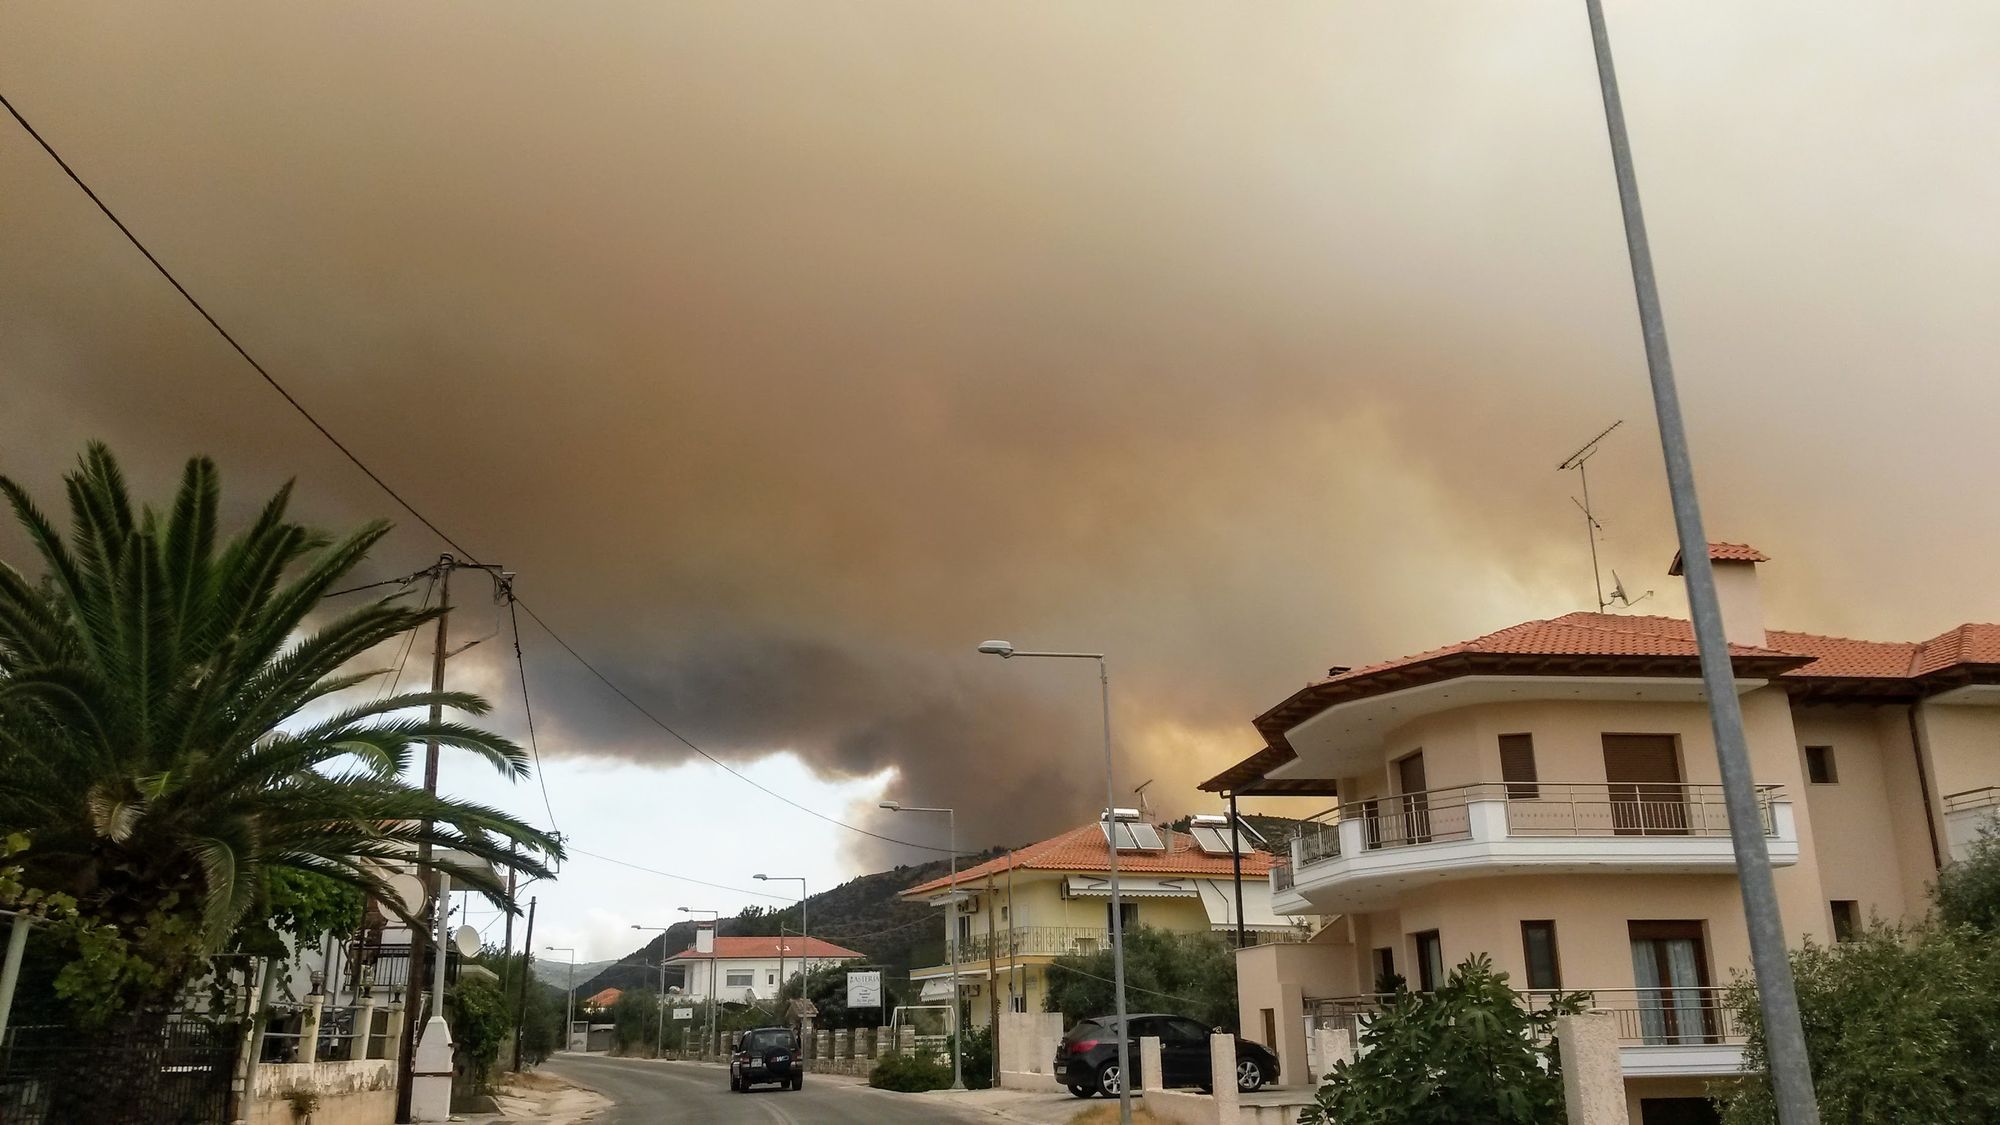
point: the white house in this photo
(749, 969)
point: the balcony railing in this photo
(1281, 875)
(1024, 941)
(1646, 1017)
(1531, 809)
(1972, 800)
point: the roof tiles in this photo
(1084, 849)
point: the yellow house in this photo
(1549, 795)
(1014, 915)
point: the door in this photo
(1643, 775)
(1670, 966)
(1430, 960)
(1183, 1052)
(1414, 802)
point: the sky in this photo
(787, 352)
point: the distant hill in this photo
(862, 914)
(556, 974)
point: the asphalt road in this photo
(654, 1093)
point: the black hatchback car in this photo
(1087, 1058)
(767, 1056)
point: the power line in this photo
(528, 708)
(683, 878)
(396, 496)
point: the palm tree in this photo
(173, 731)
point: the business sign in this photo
(864, 990)
(683, 1013)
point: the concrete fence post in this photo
(392, 1033)
(906, 1040)
(1152, 1076)
(1222, 1075)
(1593, 1073)
(308, 1049)
(885, 1042)
(360, 1047)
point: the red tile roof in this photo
(1608, 644)
(1085, 849)
(766, 948)
(1724, 552)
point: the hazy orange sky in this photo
(789, 350)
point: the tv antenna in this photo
(1591, 527)
(1140, 792)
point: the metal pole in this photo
(1791, 1068)
(993, 983)
(1117, 908)
(660, 1003)
(438, 953)
(957, 1024)
(805, 942)
(1236, 867)
(10, 971)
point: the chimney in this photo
(1736, 589)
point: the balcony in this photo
(1023, 941)
(1368, 852)
(1967, 814)
(1662, 1032)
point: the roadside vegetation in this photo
(1902, 1023)
(1191, 975)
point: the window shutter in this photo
(1517, 767)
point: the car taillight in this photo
(1082, 1045)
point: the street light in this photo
(660, 1031)
(1006, 651)
(569, 1006)
(805, 953)
(951, 932)
(716, 917)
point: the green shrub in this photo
(910, 1074)
(978, 1064)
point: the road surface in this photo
(670, 1093)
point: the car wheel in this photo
(799, 1083)
(1109, 1079)
(1249, 1075)
(1076, 1091)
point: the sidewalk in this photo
(534, 1098)
(1029, 1107)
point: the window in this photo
(1128, 916)
(1385, 970)
(1670, 966)
(1179, 1031)
(1819, 765)
(1538, 944)
(770, 978)
(1517, 766)
(1430, 960)
(737, 978)
(964, 930)
(1846, 919)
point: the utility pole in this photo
(993, 980)
(521, 991)
(1777, 996)
(419, 963)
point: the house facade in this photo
(747, 970)
(1549, 795)
(1014, 915)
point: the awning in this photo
(1130, 886)
(938, 989)
(1218, 897)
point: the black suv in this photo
(768, 1056)
(1087, 1057)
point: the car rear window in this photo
(1089, 1029)
(767, 1040)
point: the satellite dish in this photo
(467, 940)
(409, 890)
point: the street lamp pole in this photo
(569, 999)
(660, 1027)
(1777, 996)
(1007, 651)
(805, 942)
(951, 933)
(716, 917)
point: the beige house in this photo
(1548, 794)
(1016, 914)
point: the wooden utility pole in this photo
(521, 989)
(420, 937)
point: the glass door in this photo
(1670, 967)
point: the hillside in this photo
(556, 974)
(862, 914)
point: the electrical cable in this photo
(528, 708)
(576, 851)
(396, 496)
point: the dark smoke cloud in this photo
(789, 351)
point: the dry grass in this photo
(1108, 1115)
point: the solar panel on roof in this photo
(1146, 837)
